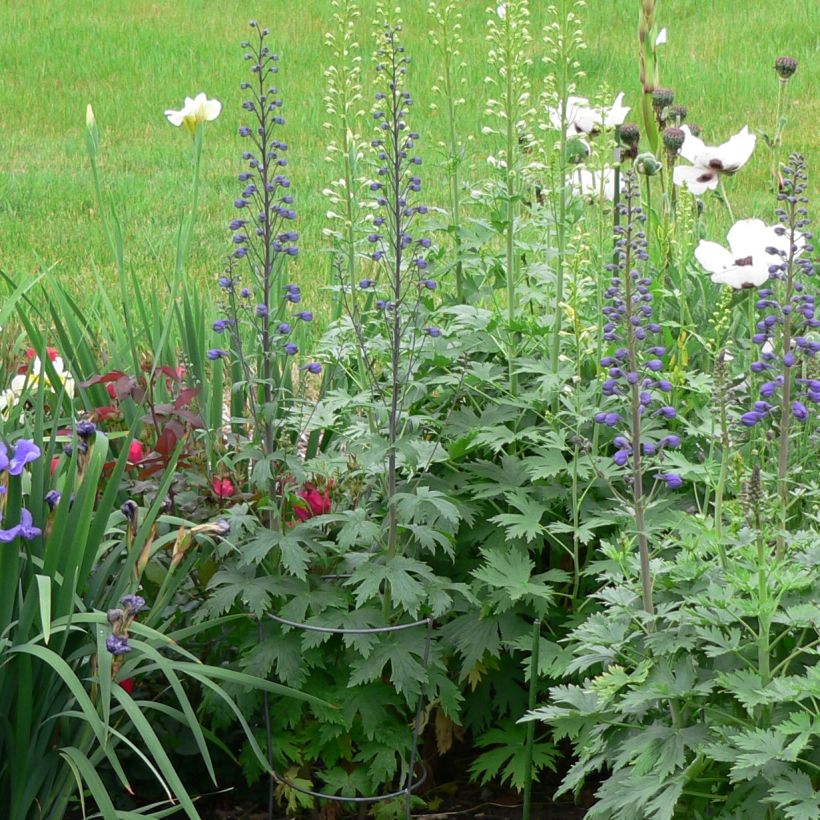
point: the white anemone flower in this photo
(746, 263)
(582, 118)
(586, 183)
(195, 111)
(709, 163)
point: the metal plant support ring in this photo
(412, 783)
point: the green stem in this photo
(721, 190)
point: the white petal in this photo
(692, 146)
(713, 257)
(175, 117)
(745, 237)
(617, 113)
(212, 109)
(741, 277)
(501, 11)
(735, 152)
(584, 122)
(18, 383)
(660, 40)
(696, 179)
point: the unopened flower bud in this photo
(678, 113)
(673, 138)
(647, 164)
(114, 616)
(662, 98)
(129, 510)
(695, 130)
(785, 67)
(630, 134)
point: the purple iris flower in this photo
(117, 645)
(25, 451)
(132, 604)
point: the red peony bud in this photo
(135, 452)
(222, 487)
(316, 503)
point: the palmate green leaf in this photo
(357, 531)
(371, 703)
(290, 543)
(755, 749)
(510, 571)
(255, 593)
(795, 796)
(403, 575)
(626, 795)
(473, 636)
(526, 523)
(346, 784)
(426, 505)
(403, 651)
(508, 759)
(546, 464)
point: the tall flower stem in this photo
(638, 499)
(786, 395)
(447, 38)
(725, 200)
(509, 181)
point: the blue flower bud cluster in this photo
(394, 245)
(634, 387)
(787, 330)
(262, 233)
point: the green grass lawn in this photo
(134, 58)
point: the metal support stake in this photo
(536, 641)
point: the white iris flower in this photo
(195, 111)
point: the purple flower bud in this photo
(432, 331)
(655, 365)
(366, 283)
(216, 353)
(313, 367)
(291, 349)
(225, 282)
(621, 457)
(284, 328)
(673, 480)
(117, 645)
(86, 429)
(305, 316)
(430, 284)
(751, 418)
(670, 441)
(262, 311)
(800, 411)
